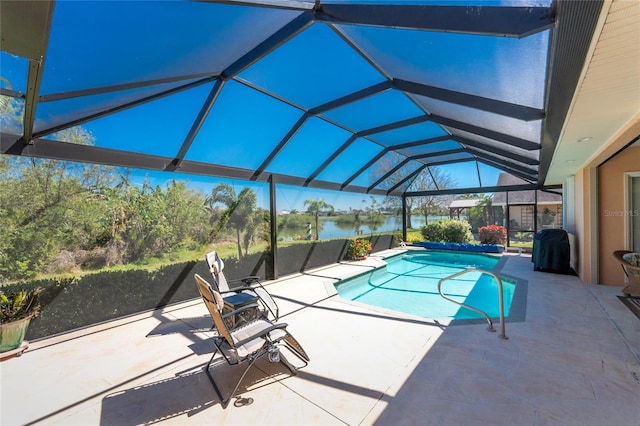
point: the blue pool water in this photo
(409, 284)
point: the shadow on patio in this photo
(574, 360)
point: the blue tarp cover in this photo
(482, 248)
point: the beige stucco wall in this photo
(611, 211)
(584, 238)
(586, 213)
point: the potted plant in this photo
(359, 249)
(16, 311)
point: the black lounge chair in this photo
(248, 285)
(247, 343)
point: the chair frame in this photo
(631, 272)
(249, 284)
(228, 344)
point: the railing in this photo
(500, 298)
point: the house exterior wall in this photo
(583, 199)
(584, 207)
(611, 211)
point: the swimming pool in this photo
(409, 284)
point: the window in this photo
(632, 211)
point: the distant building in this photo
(521, 206)
(458, 206)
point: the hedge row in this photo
(448, 231)
(72, 303)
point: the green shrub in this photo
(433, 231)
(19, 305)
(448, 231)
(413, 236)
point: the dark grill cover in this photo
(551, 251)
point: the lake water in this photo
(330, 229)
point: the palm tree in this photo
(239, 212)
(315, 206)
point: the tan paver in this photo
(573, 361)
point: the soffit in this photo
(607, 99)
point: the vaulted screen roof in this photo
(335, 95)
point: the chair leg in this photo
(287, 364)
(233, 392)
(225, 402)
(212, 380)
(289, 342)
(295, 347)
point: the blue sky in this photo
(244, 125)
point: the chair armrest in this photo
(235, 290)
(241, 309)
(251, 279)
(245, 283)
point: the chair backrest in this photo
(216, 265)
(214, 303)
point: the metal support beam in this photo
(197, 124)
(125, 86)
(445, 162)
(408, 177)
(280, 37)
(7, 91)
(352, 97)
(419, 143)
(42, 148)
(455, 191)
(332, 157)
(404, 218)
(521, 172)
(487, 133)
(506, 197)
(290, 134)
(507, 109)
(365, 167)
(435, 183)
(439, 154)
(122, 107)
(24, 31)
(272, 269)
(496, 21)
(55, 150)
(479, 146)
(535, 212)
(272, 4)
(531, 178)
(389, 173)
(34, 78)
(395, 125)
(394, 148)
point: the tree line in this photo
(65, 217)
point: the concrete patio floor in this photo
(575, 360)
